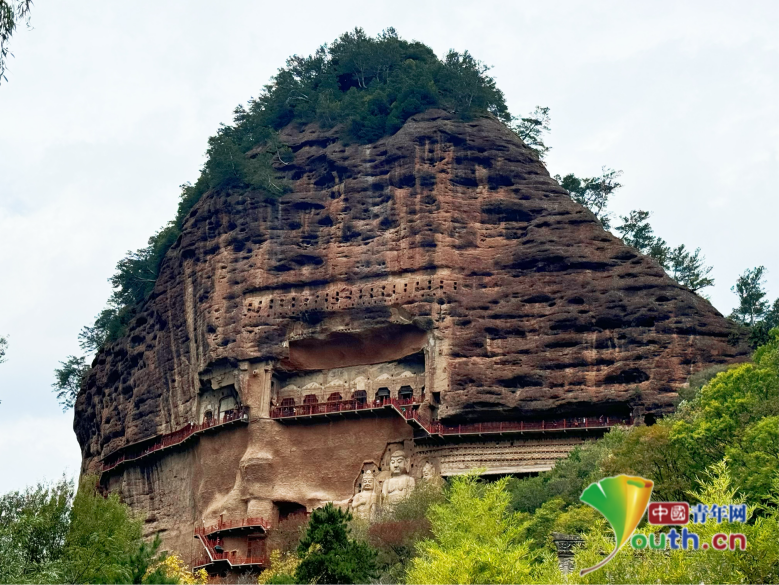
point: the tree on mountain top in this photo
(593, 192)
(686, 268)
(531, 130)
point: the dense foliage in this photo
(329, 555)
(48, 534)
(476, 538)
(68, 378)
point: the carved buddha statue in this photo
(399, 485)
(364, 502)
(429, 474)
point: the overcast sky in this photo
(108, 107)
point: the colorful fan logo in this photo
(622, 500)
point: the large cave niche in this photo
(368, 383)
(286, 511)
(340, 349)
(214, 404)
(218, 395)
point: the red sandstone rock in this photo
(449, 238)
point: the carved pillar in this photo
(257, 388)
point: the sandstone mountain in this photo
(444, 253)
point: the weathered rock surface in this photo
(448, 231)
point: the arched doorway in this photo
(227, 407)
(382, 395)
(360, 398)
(310, 401)
(406, 393)
(287, 407)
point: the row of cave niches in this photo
(347, 297)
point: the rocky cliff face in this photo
(456, 227)
(448, 238)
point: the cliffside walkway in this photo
(339, 409)
(228, 526)
(409, 410)
(436, 429)
(135, 451)
(214, 554)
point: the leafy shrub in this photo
(173, 569)
(281, 569)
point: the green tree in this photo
(772, 316)
(688, 269)
(593, 192)
(68, 380)
(476, 538)
(752, 304)
(104, 542)
(568, 477)
(33, 526)
(760, 332)
(11, 14)
(532, 128)
(636, 231)
(329, 555)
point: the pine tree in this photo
(329, 555)
(752, 304)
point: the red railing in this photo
(562, 424)
(339, 406)
(436, 428)
(172, 439)
(223, 525)
(211, 555)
